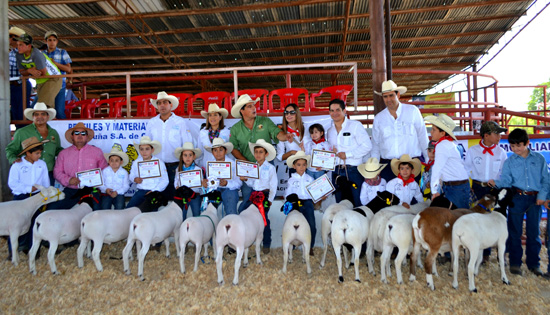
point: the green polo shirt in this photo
(51, 149)
(263, 128)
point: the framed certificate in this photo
(90, 178)
(323, 159)
(248, 169)
(191, 179)
(219, 170)
(319, 188)
(149, 169)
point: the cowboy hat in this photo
(300, 155)
(405, 158)
(80, 125)
(243, 100)
(371, 168)
(187, 146)
(442, 122)
(218, 142)
(40, 107)
(157, 147)
(14, 30)
(30, 143)
(262, 143)
(214, 108)
(165, 96)
(116, 151)
(389, 86)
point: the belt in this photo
(482, 184)
(526, 193)
(455, 183)
(16, 83)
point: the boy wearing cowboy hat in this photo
(187, 155)
(404, 186)
(373, 181)
(398, 129)
(448, 167)
(16, 86)
(147, 148)
(115, 180)
(266, 183)
(229, 188)
(213, 128)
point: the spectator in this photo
(63, 61)
(16, 86)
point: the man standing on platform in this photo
(398, 129)
(63, 61)
(16, 86)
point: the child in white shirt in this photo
(404, 186)
(373, 182)
(115, 180)
(187, 155)
(318, 142)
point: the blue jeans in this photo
(246, 191)
(308, 212)
(315, 175)
(459, 195)
(137, 199)
(70, 200)
(524, 205)
(267, 229)
(171, 172)
(480, 192)
(16, 100)
(195, 205)
(355, 177)
(60, 104)
(108, 201)
(230, 198)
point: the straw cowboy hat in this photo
(218, 142)
(165, 96)
(214, 108)
(187, 146)
(157, 147)
(14, 30)
(30, 143)
(371, 168)
(243, 100)
(116, 151)
(262, 143)
(389, 86)
(40, 107)
(80, 125)
(442, 122)
(299, 155)
(406, 158)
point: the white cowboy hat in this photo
(371, 168)
(80, 125)
(299, 155)
(389, 86)
(262, 143)
(165, 96)
(406, 158)
(218, 142)
(40, 107)
(116, 151)
(30, 143)
(442, 122)
(214, 108)
(157, 147)
(187, 146)
(14, 30)
(243, 100)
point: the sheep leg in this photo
(177, 240)
(32, 253)
(205, 253)
(325, 250)
(356, 252)
(51, 256)
(89, 249)
(386, 252)
(336, 248)
(182, 258)
(219, 258)
(290, 250)
(430, 265)
(198, 247)
(415, 256)
(402, 254)
(286, 246)
(306, 247)
(456, 254)
(14, 241)
(259, 240)
(346, 260)
(141, 258)
(370, 257)
(501, 248)
(167, 246)
(478, 262)
(126, 254)
(474, 252)
(80, 251)
(98, 245)
(238, 259)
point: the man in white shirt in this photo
(172, 132)
(398, 129)
(351, 142)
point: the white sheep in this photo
(17, 214)
(240, 232)
(151, 228)
(398, 232)
(296, 231)
(198, 230)
(326, 223)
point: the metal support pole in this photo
(355, 88)
(388, 40)
(378, 53)
(128, 96)
(288, 80)
(5, 135)
(236, 84)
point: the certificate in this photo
(191, 179)
(319, 188)
(219, 170)
(149, 169)
(248, 169)
(90, 178)
(323, 159)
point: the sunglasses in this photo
(291, 112)
(82, 133)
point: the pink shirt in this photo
(71, 160)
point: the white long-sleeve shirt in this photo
(24, 175)
(171, 133)
(286, 146)
(448, 165)
(154, 183)
(205, 141)
(352, 139)
(177, 182)
(483, 167)
(297, 185)
(268, 180)
(235, 182)
(405, 193)
(117, 181)
(368, 192)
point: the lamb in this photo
(326, 223)
(296, 231)
(240, 232)
(432, 230)
(476, 232)
(397, 232)
(16, 215)
(151, 228)
(60, 227)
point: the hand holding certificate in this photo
(319, 188)
(248, 169)
(219, 170)
(191, 179)
(90, 178)
(323, 159)
(149, 169)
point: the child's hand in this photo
(17, 160)
(108, 191)
(540, 202)
(302, 146)
(318, 168)
(406, 205)
(435, 195)
(138, 180)
(243, 178)
(491, 183)
(546, 204)
(113, 194)
(204, 183)
(74, 181)
(34, 189)
(324, 197)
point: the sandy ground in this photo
(262, 288)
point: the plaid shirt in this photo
(60, 56)
(14, 71)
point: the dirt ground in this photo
(262, 288)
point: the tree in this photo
(537, 97)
